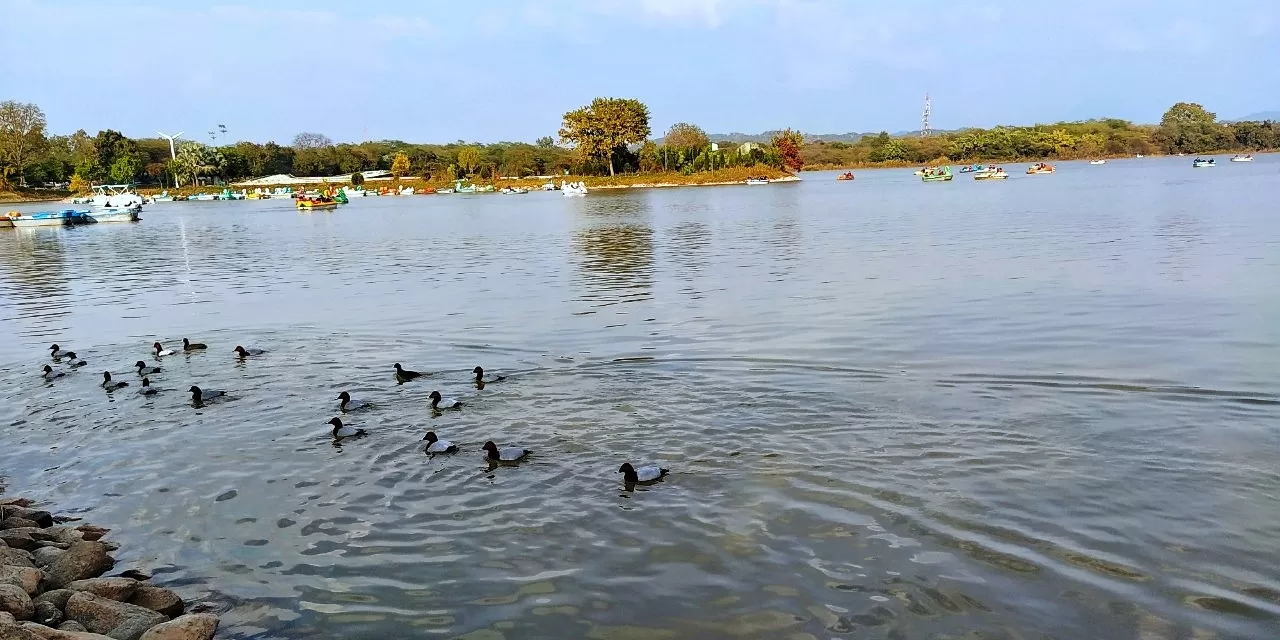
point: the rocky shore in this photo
(52, 586)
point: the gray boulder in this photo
(15, 632)
(14, 600)
(57, 597)
(26, 577)
(18, 539)
(82, 561)
(119, 620)
(44, 556)
(18, 523)
(46, 633)
(16, 557)
(72, 625)
(197, 626)
(41, 518)
(157, 599)
(118, 589)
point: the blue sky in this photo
(508, 69)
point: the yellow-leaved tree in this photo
(399, 165)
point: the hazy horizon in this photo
(509, 70)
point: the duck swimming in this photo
(147, 389)
(479, 371)
(436, 445)
(56, 352)
(200, 396)
(76, 362)
(50, 374)
(160, 350)
(111, 385)
(188, 345)
(245, 353)
(404, 375)
(506, 454)
(343, 431)
(144, 370)
(440, 404)
(347, 404)
(646, 474)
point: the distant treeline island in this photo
(609, 137)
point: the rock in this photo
(15, 632)
(90, 532)
(57, 597)
(65, 535)
(20, 502)
(118, 589)
(45, 633)
(44, 556)
(157, 599)
(18, 523)
(116, 619)
(14, 600)
(197, 626)
(41, 518)
(7, 618)
(82, 561)
(16, 557)
(47, 614)
(72, 625)
(18, 539)
(26, 577)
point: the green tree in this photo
(125, 168)
(357, 179)
(686, 137)
(399, 166)
(518, 161)
(1187, 127)
(22, 138)
(107, 145)
(546, 142)
(196, 160)
(468, 159)
(600, 129)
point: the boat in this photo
(203, 197)
(921, 171)
(228, 194)
(940, 174)
(426, 191)
(991, 173)
(446, 190)
(485, 188)
(550, 186)
(848, 175)
(1040, 167)
(514, 191)
(973, 168)
(406, 191)
(163, 197)
(573, 188)
(82, 200)
(1243, 158)
(459, 188)
(755, 181)
(1202, 162)
(353, 193)
(317, 204)
(113, 215)
(1139, 156)
(1097, 162)
(117, 196)
(49, 218)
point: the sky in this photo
(428, 71)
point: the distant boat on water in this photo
(1243, 158)
(1097, 162)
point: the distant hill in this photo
(766, 136)
(1261, 115)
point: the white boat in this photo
(113, 215)
(117, 196)
(549, 186)
(48, 218)
(163, 197)
(407, 191)
(203, 197)
(1139, 156)
(353, 193)
(1201, 163)
(1097, 162)
(573, 188)
(757, 181)
(514, 190)
(1244, 158)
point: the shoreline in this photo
(664, 185)
(52, 585)
(937, 162)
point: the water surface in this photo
(1039, 408)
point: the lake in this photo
(1043, 407)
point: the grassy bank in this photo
(31, 195)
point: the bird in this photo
(200, 396)
(479, 371)
(505, 454)
(348, 404)
(404, 375)
(75, 361)
(50, 374)
(245, 353)
(147, 389)
(343, 431)
(111, 385)
(161, 351)
(56, 352)
(144, 370)
(436, 445)
(646, 474)
(439, 403)
(188, 345)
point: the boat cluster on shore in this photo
(52, 585)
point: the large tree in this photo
(788, 144)
(22, 137)
(309, 140)
(600, 128)
(468, 159)
(686, 137)
(1187, 127)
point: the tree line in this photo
(607, 137)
